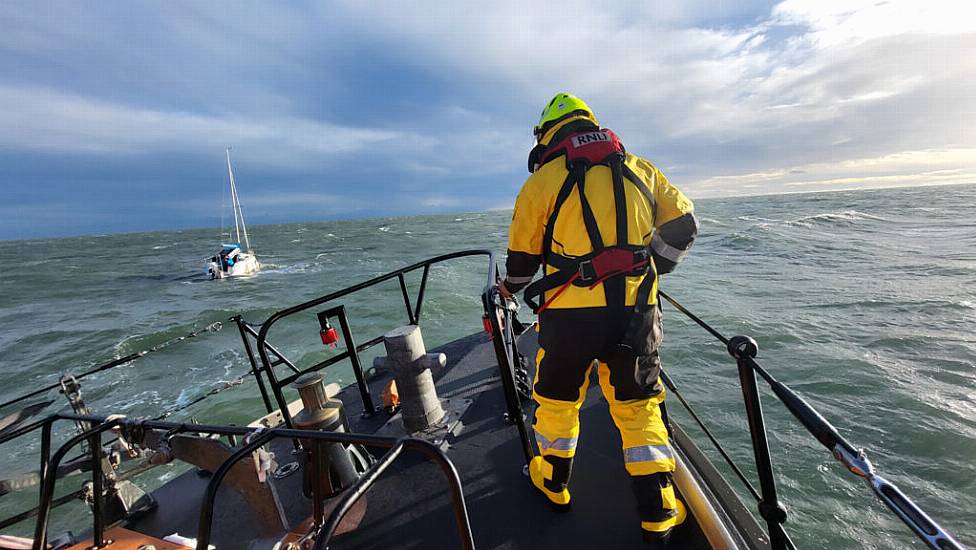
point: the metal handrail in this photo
(260, 437)
(500, 314)
(247, 331)
(744, 349)
(359, 489)
(413, 311)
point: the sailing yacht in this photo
(232, 260)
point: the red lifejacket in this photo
(595, 147)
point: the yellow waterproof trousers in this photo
(572, 342)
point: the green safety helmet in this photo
(561, 107)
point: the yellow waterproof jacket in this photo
(668, 227)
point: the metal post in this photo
(503, 339)
(210, 495)
(406, 298)
(743, 349)
(50, 478)
(98, 526)
(254, 365)
(316, 475)
(420, 293)
(355, 493)
(45, 453)
(357, 368)
(275, 386)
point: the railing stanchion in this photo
(420, 293)
(368, 407)
(769, 507)
(45, 454)
(98, 499)
(406, 299)
(503, 338)
(255, 370)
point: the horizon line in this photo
(492, 209)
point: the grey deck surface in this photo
(409, 507)
(413, 510)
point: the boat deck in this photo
(410, 506)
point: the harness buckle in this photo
(587, 271)
(642, 258)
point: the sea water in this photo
(864, 302)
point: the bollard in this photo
(408, 360)
(332, 459)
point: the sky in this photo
(115, 115)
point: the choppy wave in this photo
(862, 324)
(846, 216)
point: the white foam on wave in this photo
(846, 216)
(182, 400)
(300, 267)
(385, 229)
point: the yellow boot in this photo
(657, 533)
(541, 470)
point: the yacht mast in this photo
(238, 213)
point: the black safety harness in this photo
(583, 150)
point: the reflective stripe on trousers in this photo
(648, 453)
(557, 444)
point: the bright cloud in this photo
(425, 103)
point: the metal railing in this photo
(271, 392)
(744, 350)
(324, 527)
(413, 310)
(503, 324)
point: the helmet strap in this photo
(535, 156)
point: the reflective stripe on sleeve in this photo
(558, 444)
(648, 453)
(518, 280)
(665, 250)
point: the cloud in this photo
(910, 168)
(783, 87)
(425, 103)
(442, 201)
(54, 121)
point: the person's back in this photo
(604, 223)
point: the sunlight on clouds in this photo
(908, 168)
(838, 22)
(811, 82)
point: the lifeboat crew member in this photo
(604, 224)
